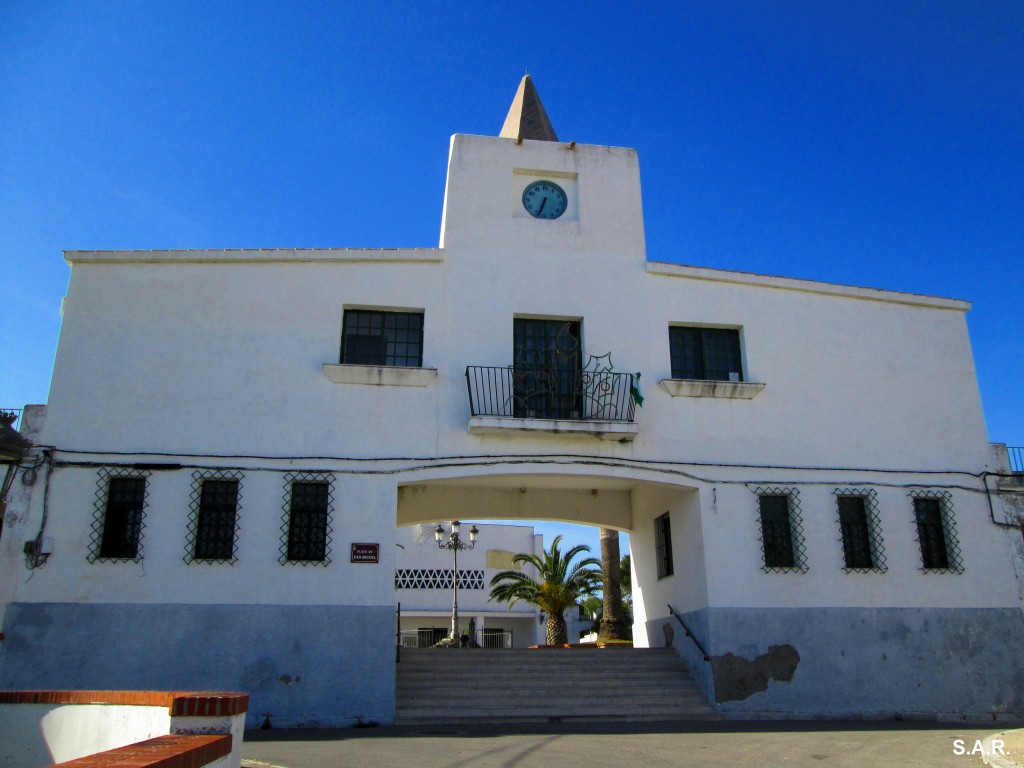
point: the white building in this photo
(423, 587)
(806, 483)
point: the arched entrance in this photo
(632, 501)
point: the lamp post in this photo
(455, 543)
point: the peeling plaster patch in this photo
(737, 678)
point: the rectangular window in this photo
(372, 337)
(546, 364)
(705, 353)
(776, 531)
(663, 545)
(122, 520)
(215, 527)
(860, 530)
(853, 523)
(307, 521)
(930, 533)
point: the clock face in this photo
(545, 200)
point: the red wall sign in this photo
(366, 553)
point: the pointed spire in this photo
(526, 118)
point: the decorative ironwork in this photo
(213, 517)
(119, 515)
(594, 393)
(782, 530)
(860, 530)
(306, 526)
(436, 578)
(936, 532)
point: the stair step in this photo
(437, 686)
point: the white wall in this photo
(496, 544)
(202, 353)
(36, 735)
(686, 589)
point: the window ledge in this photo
(734, 390)
(618, 431)
(380, 375)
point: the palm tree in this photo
(559, 585)
(613, 618)
(627, 584)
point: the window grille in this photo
(437, 578)
(119, 514)
(306, 528)
(782, 532)
(936, 532)
(711, 354)
(663, 545)
(860, 530)
(213, 517)
(372, 337)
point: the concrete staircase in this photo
(446, 686)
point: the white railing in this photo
(481, 638)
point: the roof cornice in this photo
(257, 256)
(805, 286)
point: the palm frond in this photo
(560, 583)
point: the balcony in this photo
(531, 399)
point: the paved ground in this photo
(761, 745)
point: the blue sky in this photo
(865, 143)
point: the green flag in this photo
(634, 390)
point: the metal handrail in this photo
(689, 634)
(530, 392)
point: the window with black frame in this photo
(122, 521)
(308, 522)
(711, 354)
(663, 545)
(931, 534)
(860, 530)
(776, 531)
(853, 524)
(546, 369)
(215, 524)
(375, 337)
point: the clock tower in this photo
(527, 192)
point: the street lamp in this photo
(453, 542)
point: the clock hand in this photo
(542, 204)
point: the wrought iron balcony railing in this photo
(530, 392)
